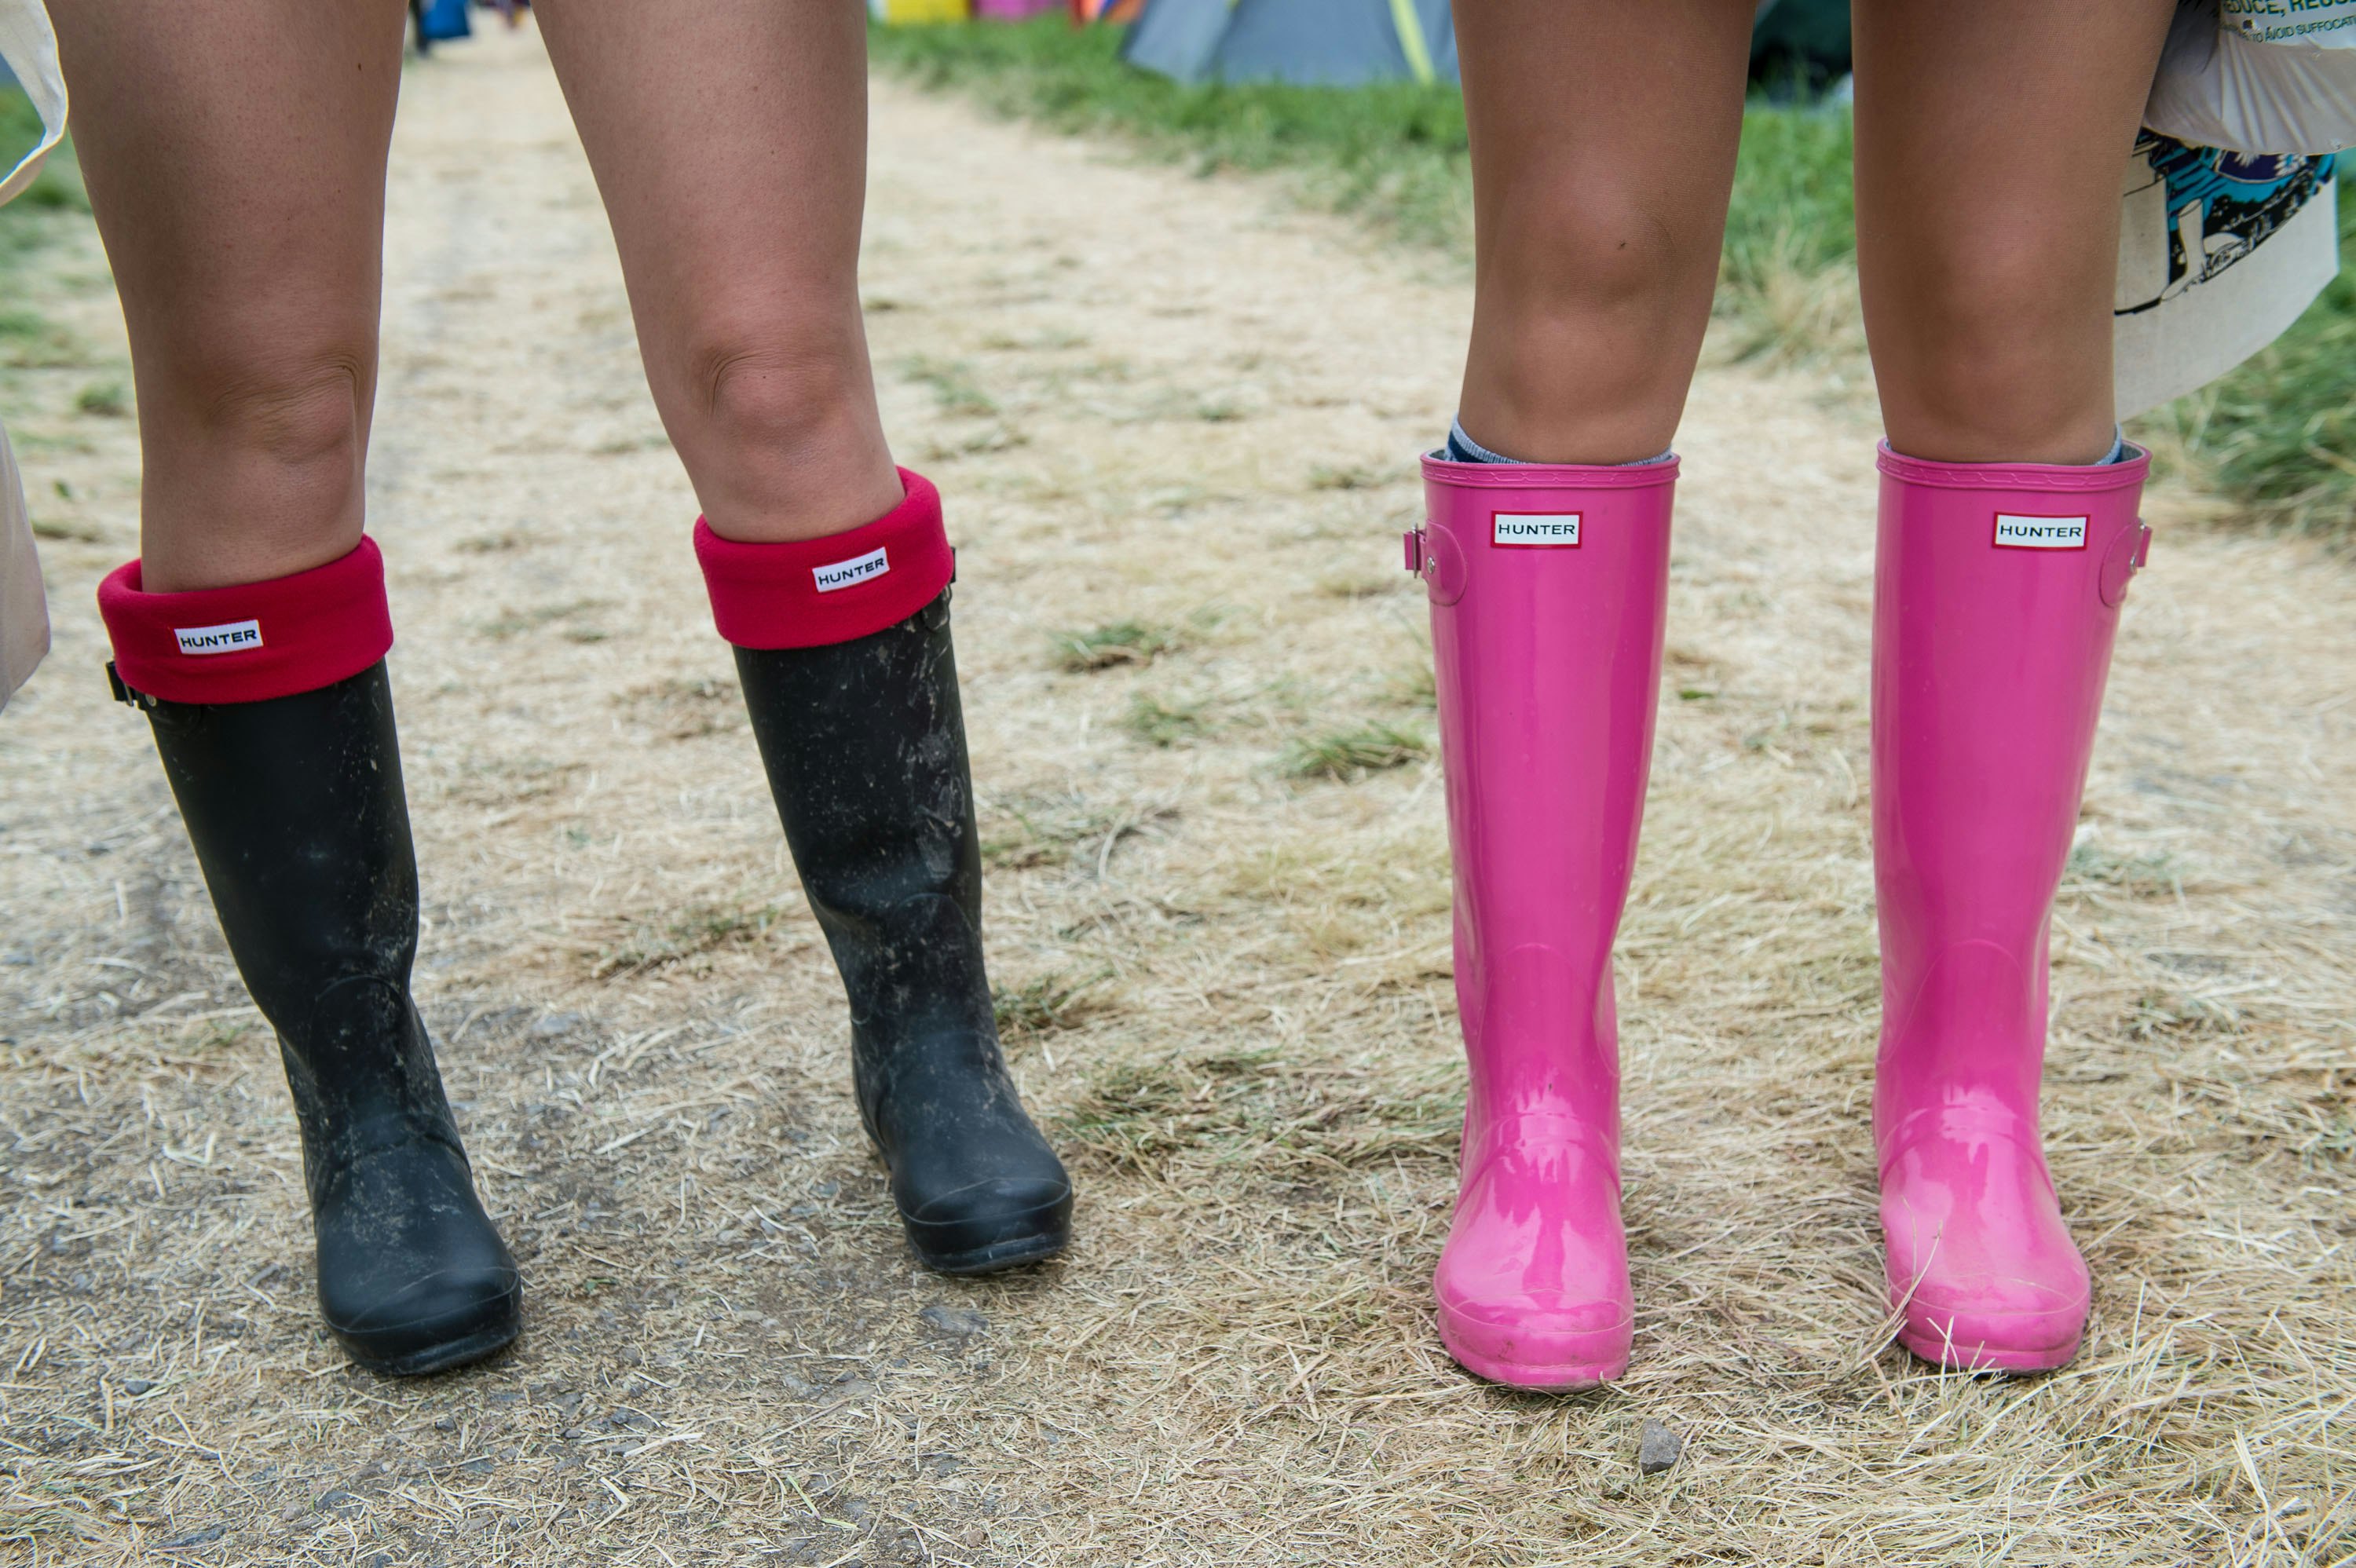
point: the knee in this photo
(1570, 258)
(1591, 311)
(765, 391)
(1998, 353)
(297, 409)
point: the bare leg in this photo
(1603, 140)
(1989, 141)
(235, 153)
(729, 141)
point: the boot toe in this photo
(1991, 1323)
(1546, 1340)
(445, 1319)
(984, 1226)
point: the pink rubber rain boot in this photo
(1547, 587)
(1996, 591)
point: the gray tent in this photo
(1321, 43)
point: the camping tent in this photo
(1346, 43)
(1323, 43)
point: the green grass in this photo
(1165, 724)
(2278, 436)
(1115, 643)
(1345, 754)
(952, 385)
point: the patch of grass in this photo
(2092, 865)
(951, 383)
(684, 709)
(78, 533)
(1114, 643)
(515, 622)
(668, 940)
(2279, 435)
(1165, 724)
(494, 544)
(107, 400)
(1045, 1005)
(1346, 754)
(1418, 686)
(1354, 476)
(1787, 273)
(1028, 831)
(1257, 1111)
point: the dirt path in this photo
(1180, 404)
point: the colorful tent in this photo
(1323, 43)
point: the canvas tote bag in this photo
(2228, 227)
(31, 51)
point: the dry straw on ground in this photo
(1165, 404)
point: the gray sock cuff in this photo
(1471, 451)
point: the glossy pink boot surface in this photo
(1547, 587)
(1996, 593)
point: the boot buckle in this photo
(124, 694)
(2129, 553)
(1433, 555)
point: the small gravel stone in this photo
(134, 1387)
(960, 1322)
(1657, 1449)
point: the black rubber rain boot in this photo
(864, 743)
(296, 808)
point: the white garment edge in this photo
(30, 45)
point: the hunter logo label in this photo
(1533, 530)
(850, 573)
(2040, 533)
(235, 638)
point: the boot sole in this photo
(995, 1258)
(1543, 1379)
(1600, 1357)
(1939, 1351)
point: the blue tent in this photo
(1321, 43)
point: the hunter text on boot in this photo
(1529, 529)
(2040, 533)
(850, 573)
(235, 637)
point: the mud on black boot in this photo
(296, 808)
(842, 647)
(864, 743)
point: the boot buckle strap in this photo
(1434, 555)
(124, 694)
(2128, 555)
